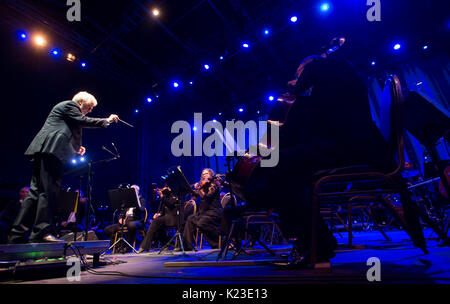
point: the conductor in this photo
(54, 145)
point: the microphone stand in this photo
(90, 175)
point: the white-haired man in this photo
(54, 145)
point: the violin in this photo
(204, 183)
(163, 191)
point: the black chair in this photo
(363, 182)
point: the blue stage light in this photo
(194, 128)
(245, 45)
(149, 99)
(74, 161)
(82, 159)
(55, 52)
(191, 82)
(373, 63)
(220, 114)
(22, 35)
(271, 98)
(266, 32)
(175, 84)
(214, 120)
(241, 110)
(324, 7)
(136, 111)
(425, 47)
(221, 57)
(206, 66)
(294, 19)
(83, 65)
(397, 46)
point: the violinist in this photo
(209, 213)
(164, 218)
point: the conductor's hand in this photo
(112, 118)
(156, 215)
(82, 150)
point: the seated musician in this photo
(142, 199)
(9, 213)
(75, 220)
(209, 213)
(164, 218)
(133, 219)
(329, 126)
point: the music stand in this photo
(178, 182)
(180, 187)
(66, 203)
(123, 199)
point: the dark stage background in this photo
(131, 56)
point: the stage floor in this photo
(400, 263)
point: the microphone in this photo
(104, 148)
(114, 146)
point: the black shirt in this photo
(337, 103)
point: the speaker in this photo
(80, 236)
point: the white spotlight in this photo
(40, 41)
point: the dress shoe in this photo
(48, 239)
(300, 263)
(302, 260)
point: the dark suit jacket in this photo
(333, 127)
(61, 133)
(338, 106)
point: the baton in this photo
(126, 123)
